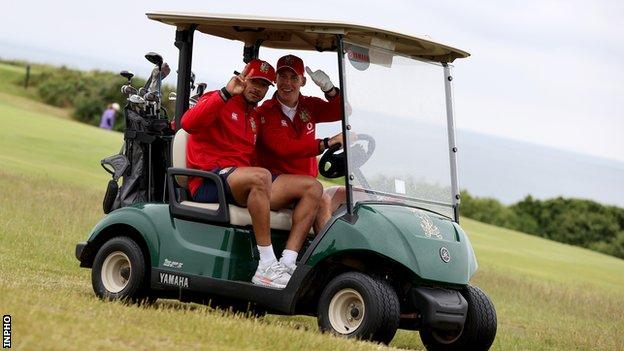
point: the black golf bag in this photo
(142, 162)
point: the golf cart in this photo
(393, 256)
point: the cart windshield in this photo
(398, 115)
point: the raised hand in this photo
(321, 79)
(237, 84)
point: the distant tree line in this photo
(578, 222)
(88, 93)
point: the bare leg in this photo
(306, 192)
(251, 187)
(324, 213)
(339, 198)
(332, 199)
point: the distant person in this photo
(108, 117)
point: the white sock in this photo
(267, 255)
(289, 257)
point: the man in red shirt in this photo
(288, 143)
(222, 131)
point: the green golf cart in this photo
(393, 256)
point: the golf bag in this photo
(141, 164)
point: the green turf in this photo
(549, 296)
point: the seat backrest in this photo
(178, 154)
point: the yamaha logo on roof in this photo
(445, 255)
(358, 57)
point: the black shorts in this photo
(207, 191)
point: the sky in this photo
(544, 72)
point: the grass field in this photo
(548, 296)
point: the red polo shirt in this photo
(222, 134)
(290, 147)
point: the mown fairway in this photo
(548, 296)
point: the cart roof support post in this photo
(345, 122)
(448, 90)
(184, 43)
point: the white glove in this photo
(321, 79)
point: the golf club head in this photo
(152, 96)
(154, 58)
(136, 99)
(128, 90)
(173, 96)
(142, 91)
(127, 74)
(201, 87)
(165, 70)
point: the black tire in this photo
(123, 264)
(479, 329)
(378, 319)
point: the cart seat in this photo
(281, 220)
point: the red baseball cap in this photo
(293, 62)
(258, 69)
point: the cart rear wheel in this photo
(358, 306)
(119, 270)
(115, 271)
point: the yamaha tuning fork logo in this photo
(445, 255)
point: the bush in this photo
(487, 210)
(89, 93)
(614, 247)
(573, 221)
(60, 87)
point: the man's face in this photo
(288, 85)
(255, 90)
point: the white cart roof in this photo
(302, 34)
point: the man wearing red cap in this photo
(223, 129)
(288, 143)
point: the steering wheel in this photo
(332, 163)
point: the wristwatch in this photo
(225, 94)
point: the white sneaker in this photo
(290, 269)
(274, 275)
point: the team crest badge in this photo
(284, 124)
(426, 223)
(305, 116)
(234, 116)
(262, 120)
(288, 59)
(264, 67)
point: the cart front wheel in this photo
(358, 306)
(478, 332)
